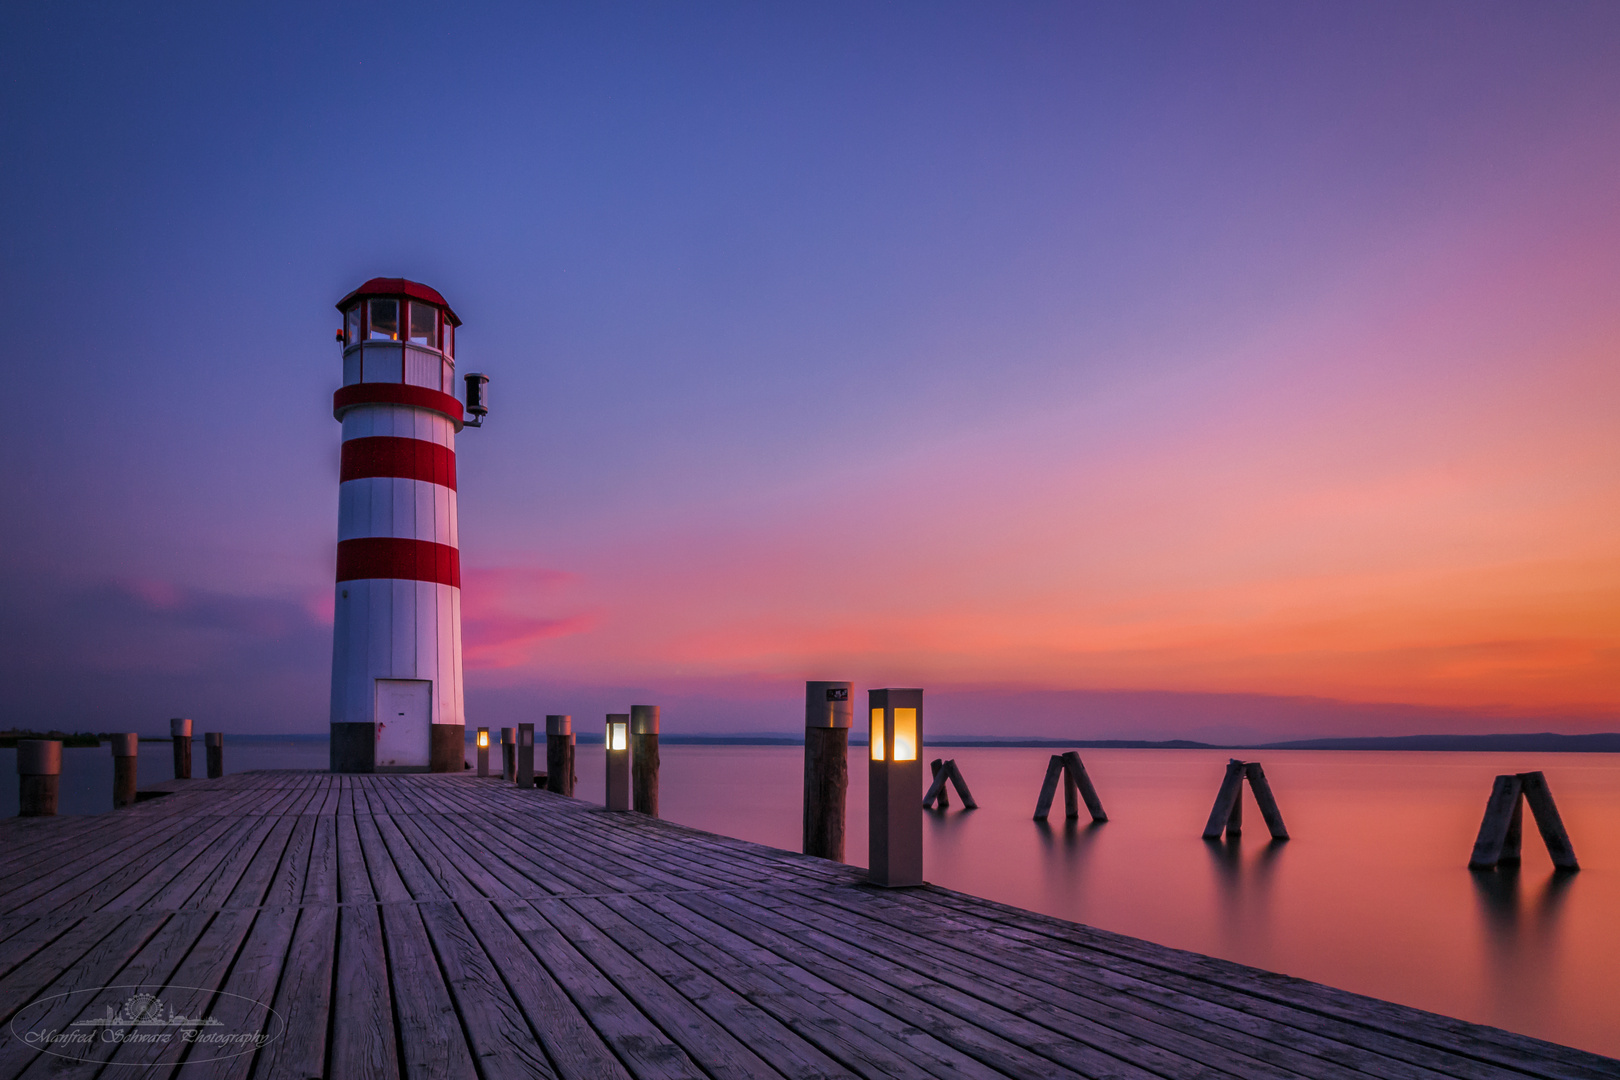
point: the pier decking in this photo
(445, 926)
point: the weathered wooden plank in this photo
(572, 1046)
(363, 1036)
(644, 1050)
(303, 1000)
(864, 1039)
(734, 1016)
(432, 1041)
(498, 1032)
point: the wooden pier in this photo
(447, 926)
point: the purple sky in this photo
(1107, 369)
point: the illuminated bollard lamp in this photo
(560, 754)
(895, 788)
(483, 751)
(616, 749)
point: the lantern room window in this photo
(383, 321)
(351, 326)
(422, 328)
(449, 338)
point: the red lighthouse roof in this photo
(398, 286)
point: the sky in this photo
(1108, 370)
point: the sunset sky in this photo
(1108, 370)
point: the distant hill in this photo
(1540, 743)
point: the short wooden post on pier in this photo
(1501, 829)
(946, 771)
(894, 847)
(1227, 813)
(482, 746)
(125, 774)
(39, 775)
(828, 715)
(1077, 786)
(525, 756)
(180, 732)
(214, 749)
(509, 754)
(644, 758)
(616, 751)
(560, 754)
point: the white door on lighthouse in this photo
(404, 711)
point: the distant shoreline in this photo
(1545, 742)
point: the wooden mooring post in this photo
(39, 776)
(560, 754)
(644, 758)
(125, 773)
(1076, 786)
(829, 712)
(180, 732)
(1502, 829)
(214, 750)
(509, 754)
(1227, 814)
(525, 756)
(947, 771)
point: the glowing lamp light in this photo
(616, 747)
(895, 787)
(483, 751)
(483, 738)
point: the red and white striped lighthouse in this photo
(396, 639)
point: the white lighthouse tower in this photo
(396, 638)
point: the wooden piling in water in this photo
(525, 756)
(946, 772)
(214, 750)
(560, 754)
(180, 732)
(1227, 813)
(125, 774)
(1043, 802)
(644, 758)
(828, 714)
(1502, 827)
(39, 776)
(1075, 769)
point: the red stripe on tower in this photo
(405, 459)
(398, 558)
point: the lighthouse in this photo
(396, 635)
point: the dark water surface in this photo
(1373, 893)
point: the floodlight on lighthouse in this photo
(477, 398)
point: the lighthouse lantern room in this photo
(396, 639)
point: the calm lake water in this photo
(1372, 894)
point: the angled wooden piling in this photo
(946, 771)
(1265, 800)
(1043, 802)
(1227, 813)
(1076, 771)
(1501, 829)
